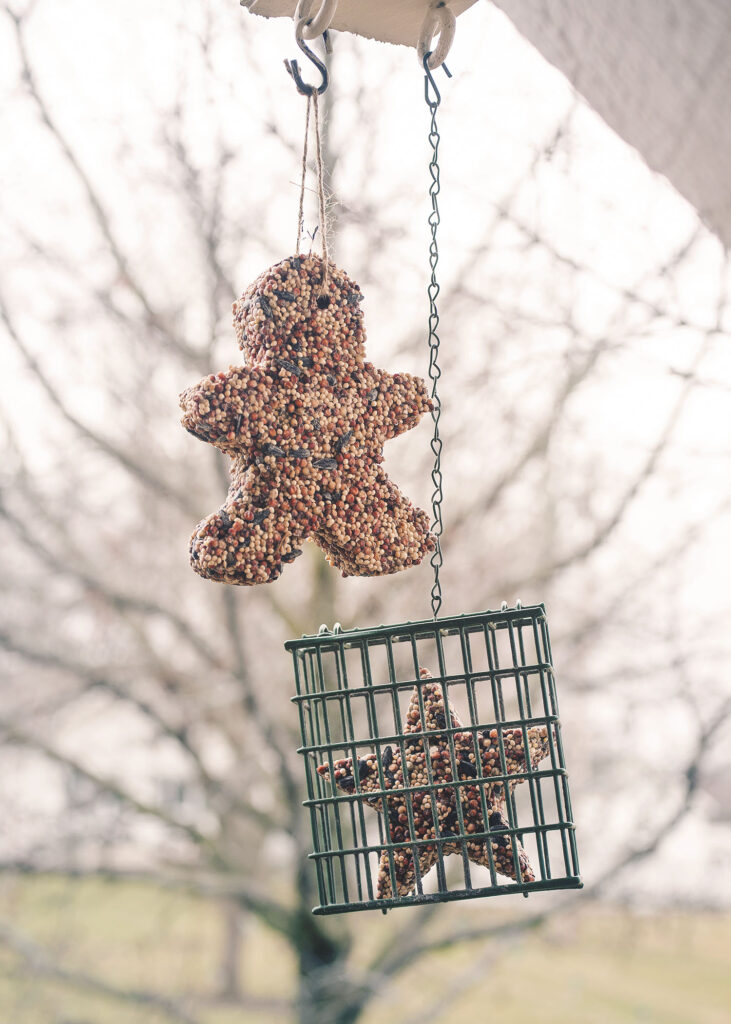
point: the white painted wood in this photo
(659, 73)
(390, 21)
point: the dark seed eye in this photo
(323, 301)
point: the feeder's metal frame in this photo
(344, 872)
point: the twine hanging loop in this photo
(313, 103)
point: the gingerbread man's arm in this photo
(223, 407)
(402, 399)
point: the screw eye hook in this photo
(293, 67)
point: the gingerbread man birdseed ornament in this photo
(305, 421)
(398, 776)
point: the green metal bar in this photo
(557, 760)
(453, 895)
(421, 629)
(446, 784)
(320, 831)
(334, 808)
(496, 680)
(509, 723)
(453, 759)
(407, 780)
(354, 806)
(537, 783)
(549, 706)
(297, 659)
(323, 807)
(386, 828)
(475, 731)
(407, 844)
(542, 847)
(559, 746)
(499, 674)
(432, 788)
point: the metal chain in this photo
(435, 372)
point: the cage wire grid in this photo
(352, 692)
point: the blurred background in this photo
(153, 849)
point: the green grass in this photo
(606, 968)
(594, 967)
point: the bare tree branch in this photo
(20, 737)
(254, 706)
(213, 884)
(541, 437)
(99, 213)
(461, 984)
(149, 477)
(691, 778)
(39, 962)
(583, 629)
(117, 599)
(180, 734)
(205, 218)
(616, 517)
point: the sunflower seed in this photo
(342, 441)
(286, 365)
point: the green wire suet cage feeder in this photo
(405, 768)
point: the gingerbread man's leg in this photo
(383, 536)
(244, 543)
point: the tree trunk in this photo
(229, 980)
(325, 992)
(326, 996)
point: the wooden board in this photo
(390, 21)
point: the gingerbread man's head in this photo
(287, 314)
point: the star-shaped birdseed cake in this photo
(414, 773)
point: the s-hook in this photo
(293, 67)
